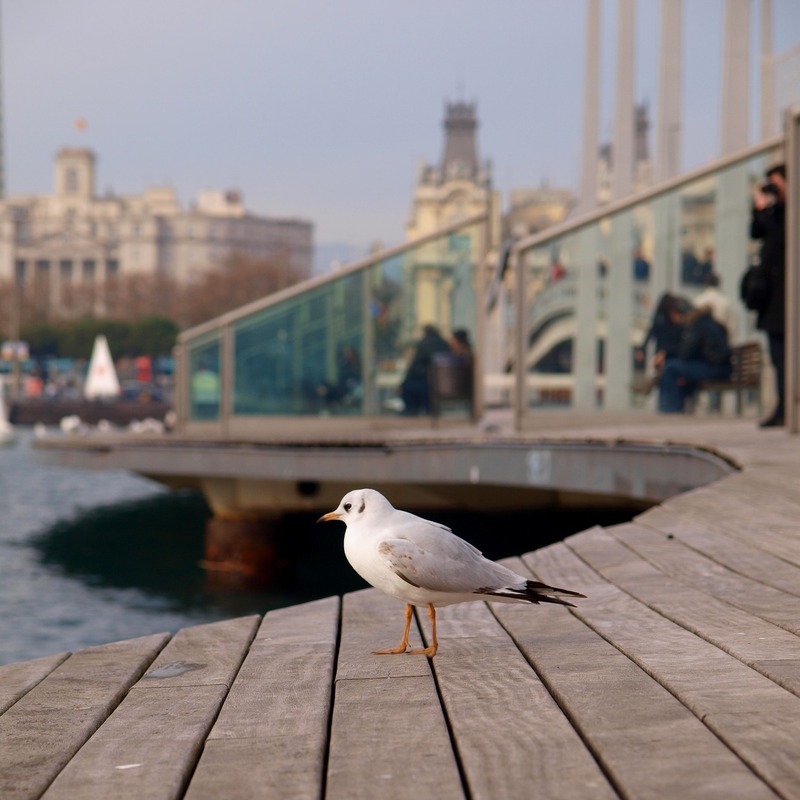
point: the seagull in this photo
(425, 563)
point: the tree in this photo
(85, 309)
(154, 336)
(240, 279)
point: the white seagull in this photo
(425, 563)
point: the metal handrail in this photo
(608, 209)
(312, 283)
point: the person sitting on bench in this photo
(704, 355)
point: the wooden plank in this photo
(45, 728)
(508, 730)
(637, 730)
(18, 679)
(674, 558)
(271, 735)
(149, 746)
(389, 736)
(739, 705)
(375, 622)
(753, 640)
(742, 516)
(770, 482)
(712, 539)
(737, 499)
(202, 655)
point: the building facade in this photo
(74, 238)
(459, 185)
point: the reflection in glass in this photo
(204, 381)
(590, 293)
(344, 345)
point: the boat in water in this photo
(104, 400)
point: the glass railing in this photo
(585, 293)
(342, 345)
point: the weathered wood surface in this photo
(679, 676)
(271, 736)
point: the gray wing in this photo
(442, 562)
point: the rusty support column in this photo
(241, 552)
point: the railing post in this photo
(227, 368)
(792, 158)
(520, 394)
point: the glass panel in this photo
(347, 346)
(302, 356)
(204, 381)
(591, 294)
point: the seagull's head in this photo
(357, 505)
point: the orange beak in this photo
(329, 516)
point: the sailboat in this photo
(103, 402)
(101, 379)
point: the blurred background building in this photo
(74, 239)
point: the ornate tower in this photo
(458, 186)
(460, 154)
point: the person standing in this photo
(768, 223)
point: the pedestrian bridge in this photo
(555, 318)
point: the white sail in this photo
(101, 380)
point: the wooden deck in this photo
(678, 677)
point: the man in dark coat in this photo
(768, 223)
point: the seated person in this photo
(704, 355)
(415, 389)
(666, 332)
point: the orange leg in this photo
(404, 643)
(431, 649)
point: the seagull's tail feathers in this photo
(533, 592)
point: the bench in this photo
(746, 363)
(451, 384)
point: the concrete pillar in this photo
(587, 196)
(622, 153)
(619, 286)
(735, 103)
(668, 123)
(768, 126)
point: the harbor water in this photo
(94, 557)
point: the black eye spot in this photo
(363, 506)
(348, 506)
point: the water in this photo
(94, 557)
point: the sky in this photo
(324, 109)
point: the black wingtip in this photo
(535, 592)
(542, 588)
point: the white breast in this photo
(362, 552)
